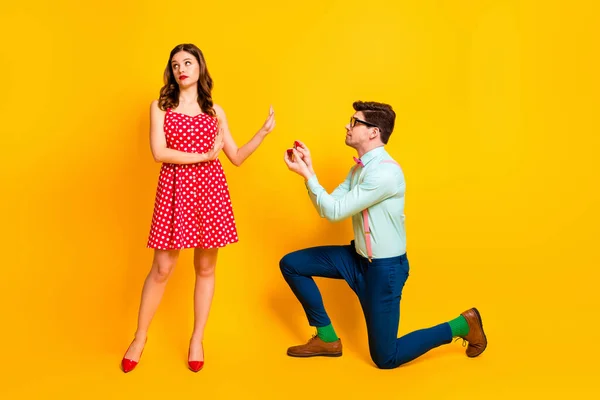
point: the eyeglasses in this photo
(354, 120)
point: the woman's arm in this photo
(158, 143)
(238, 155)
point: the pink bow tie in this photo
(358, 161)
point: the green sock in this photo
(459, 326)
(326, 333)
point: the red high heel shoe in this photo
(127, 364)
(195, 366)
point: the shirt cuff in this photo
(313, 184)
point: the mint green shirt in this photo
(378, 187)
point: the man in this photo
(375, 263)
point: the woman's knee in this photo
(163, 266)
(204, 268)
(205, 262)
(162, 271)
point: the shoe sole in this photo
(315, 355)
(482, 331)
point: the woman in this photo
(192, 207)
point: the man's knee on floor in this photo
(383, 361)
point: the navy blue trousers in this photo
(378, 285)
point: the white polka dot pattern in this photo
(192, 206)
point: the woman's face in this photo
(185, 68)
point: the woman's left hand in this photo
(269, 124)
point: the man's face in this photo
(358, 131)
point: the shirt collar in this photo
(368, 156)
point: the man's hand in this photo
(298, 165)
(305, 155)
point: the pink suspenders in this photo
(365, 212)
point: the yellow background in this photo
(495, 132)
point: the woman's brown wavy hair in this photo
(169, 93)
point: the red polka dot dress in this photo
(192, 206)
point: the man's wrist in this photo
(307, 175)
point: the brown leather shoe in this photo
(476, 336)
(316, 347)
